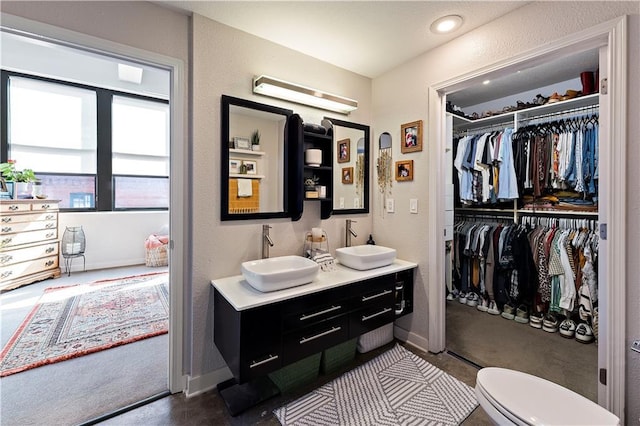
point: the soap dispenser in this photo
(370, 240)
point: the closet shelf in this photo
(505, 212)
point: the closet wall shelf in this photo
(559, 212)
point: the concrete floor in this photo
(209, 409)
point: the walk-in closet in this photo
(522, 254)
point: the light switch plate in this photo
(635, 346)
(413, 205)
(391, 205)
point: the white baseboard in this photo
(199, 384)
(412, 339)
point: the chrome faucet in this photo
(266, 241)
(349, 232)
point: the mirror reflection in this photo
(350, 167)
(254, 160)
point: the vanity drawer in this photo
(310, 340)
(370, 318)
(313, 314)
(380, 291)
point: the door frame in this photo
(179, 181)
(612, 203)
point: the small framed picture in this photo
(411, 134)
(344, 151)
(241, 143)
(347, 175)
(251, 167)
(404, 170)
(234, 165)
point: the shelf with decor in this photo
(322, 175)
(246, 152)
(245, 176)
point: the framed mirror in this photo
(255, 164)
(350, 167)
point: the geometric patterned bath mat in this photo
(69, 322)
(395, 388)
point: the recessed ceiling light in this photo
(486, 82)
(446, 24)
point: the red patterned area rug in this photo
(73, 321)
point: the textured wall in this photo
(401, 96)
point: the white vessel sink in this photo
(365, 256)
(278, 273)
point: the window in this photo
(92, 148)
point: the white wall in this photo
(113, 238)
(528, 27)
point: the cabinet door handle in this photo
(384, 293)
(315, 314)
(6, 229)
(7, 219)
(382, 312)
(317, 336)
(5, 258)
(264, 361)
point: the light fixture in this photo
(486, 82)
(269, 86)
(130, 74)
(446, 24)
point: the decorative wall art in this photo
(411, 137)
(404, 170)
(344, 151)
(347, 175)
(241, 143)
(251, 167)
(234, 165)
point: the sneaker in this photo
(550, 323)
(568, 328)
(522, 315)
(535, 320)
(508, 312)
(463, 297)
(493, 308)
(584, 334)
(452, 295)
(472, 299)
(483, 304)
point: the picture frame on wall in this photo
(344, 151)
(347, 175)
(250, 166)
(411, 137)
(241, 143)
(234, 165)
(404, 170)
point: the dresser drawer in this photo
(28, 217)
(18, 270)
(44, 205)
(13, 228)
(28, 238)
(29, 253)
(14, 207)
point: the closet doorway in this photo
(608, 41)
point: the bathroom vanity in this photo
(258, 333)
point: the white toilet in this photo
(514, 398)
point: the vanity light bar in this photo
(269, 86)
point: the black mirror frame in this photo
(291, 162)
(367, 150)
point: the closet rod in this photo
(487, 128)
(569, 112)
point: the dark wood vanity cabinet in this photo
(260, 340)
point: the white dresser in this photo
(29, 242)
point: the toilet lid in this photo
(537, 401)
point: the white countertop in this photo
(242, 296)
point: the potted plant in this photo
(255, 141)
(20, 178)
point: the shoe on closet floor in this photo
(452, 295)
(463, 297)
(508, 312)
(522, 314)
(472, 299)
(493, 308)
(584, 334)
(568, 328)
(550, 323)
(535, 320)
(483, 304)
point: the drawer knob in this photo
(382, 312)
(6, 274)
(50, 250)
(49, 217)
(7, 219)
(5, 258)
(13, 207)
(50, 225)
(319, 335)
(49, 263)
(6, 229)
(50, 235)
(6, 241)
(45, 206)
(264, 361)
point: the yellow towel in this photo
(244, 188)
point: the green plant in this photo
(11, 174)
(255, 138)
